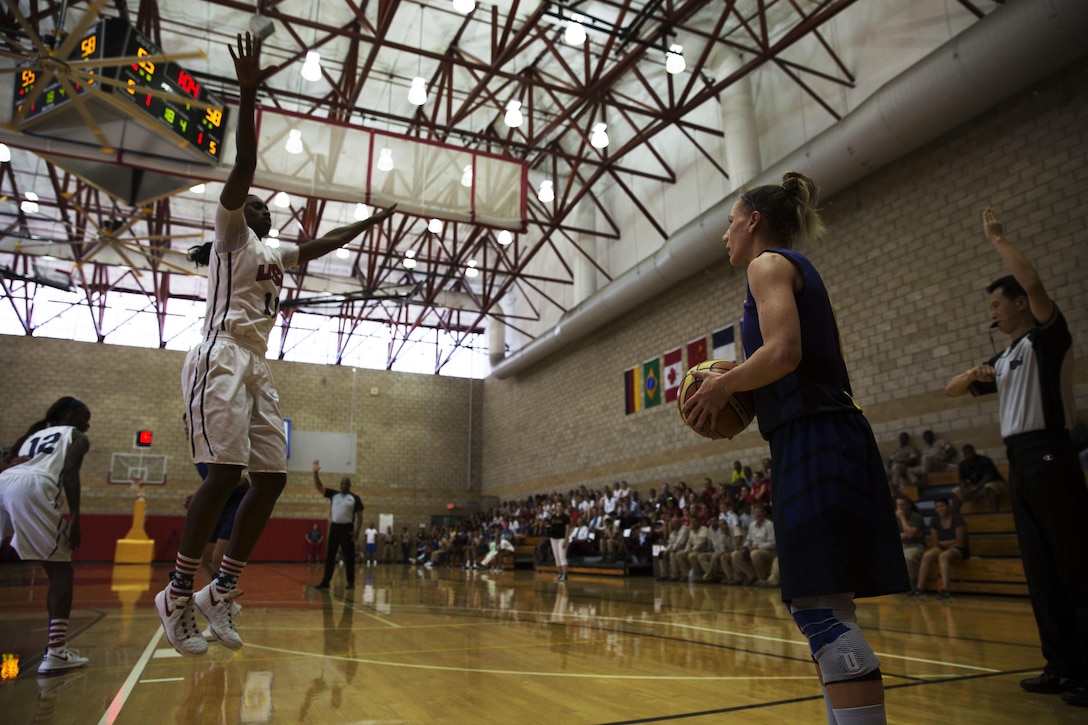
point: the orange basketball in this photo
(733, 418)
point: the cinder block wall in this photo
(418, 450)
(906, 265)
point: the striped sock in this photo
(58, 633)
(181, 581)
(227, 578)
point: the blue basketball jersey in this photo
(820, 384)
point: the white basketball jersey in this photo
(244, 280)
(47, 449)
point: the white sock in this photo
(866, 715)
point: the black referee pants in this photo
(1050, 505)
(342, 537)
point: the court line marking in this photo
(129, 684)
(162, 679)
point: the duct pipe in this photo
(1015, 46)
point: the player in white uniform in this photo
(230, 398)
(32, 498)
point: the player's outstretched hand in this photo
(247, 61)
(991, 225)
(317, 467)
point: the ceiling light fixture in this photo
(343, 253)
(272, 241)
(576, 32)
(417, 94)
(674, 60)
(599, 138)
(410, 254)
(311, 68)
(466, 176)
(434, 226)
(464, 6)
(505, 238)
(5, 153)
(513, 117)
(409, 263)
(385, 160)
(198, 188)
(294, 141)
(362, 211)
(472, 272)
(273, 232)
(546, 193)
(29, 204)
(281, 200)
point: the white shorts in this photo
(559, 549)
(232, 407)
(30, 512)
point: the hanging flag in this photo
(632, 388)
(651, 383)
(696, 351)
(674, 373)
(724, 348)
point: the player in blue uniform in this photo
(834, 521)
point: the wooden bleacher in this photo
(995, 566)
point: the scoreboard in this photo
(200, 126)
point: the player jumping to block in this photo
(230, 398)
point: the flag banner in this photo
(651, 383)
(674, 373)
(722, 341)
(696, 352)
(632, 388)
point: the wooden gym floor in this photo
(412, 645)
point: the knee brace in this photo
(837, 643)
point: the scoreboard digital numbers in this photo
(198, 126)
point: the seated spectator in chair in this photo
(707, 565)
(912, 532)
(753, 561)
(938, 455)
(676, 541)
(681, 562)
(978, 477)
(905, 457)
(613, 547)
(581, 539)
(949, 534)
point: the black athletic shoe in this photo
(1076, 695)
(1045, 683)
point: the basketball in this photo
(733, 418)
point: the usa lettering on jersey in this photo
(272, 272)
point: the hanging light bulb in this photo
(409, 263)
(385, 160)
(466, 176)
(5, 153)
(29, 204)
(464, 6)
(294, 141)
(434, 226)
(410, 254)
(417, 94)
(674, 60)
(342, 253)
(576, 33)
(197, 188)
(471, 270)
(546, 193)
(311, 68)
(362, 211)
(281, 200)
(505, 237)
(513, 117)
(273, 232)
(599, 138)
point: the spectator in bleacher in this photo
(761, 491)
(902, 460)
(716, 563)
(949, 534)
(753, 560)
(937, 455)
(1049, 498)
(978, 477)
(581, 539)
(612, 543)
(912, 532)
(737, 476)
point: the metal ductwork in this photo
(1015, 46)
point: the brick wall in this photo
(414, 435)
(906, 265)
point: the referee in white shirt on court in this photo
(345, 521)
